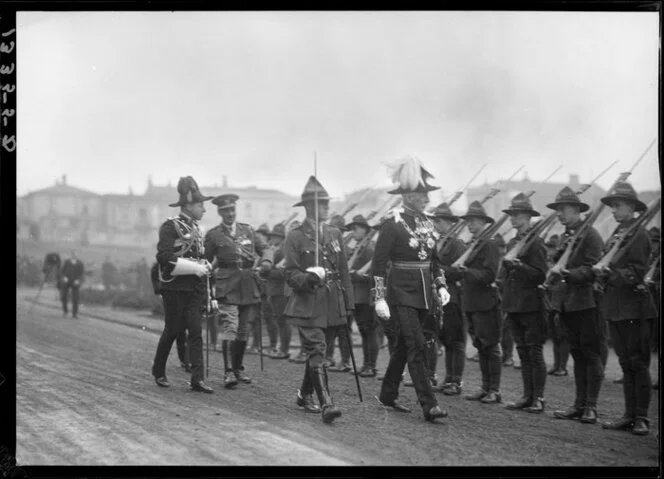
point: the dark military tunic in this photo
(183, 295)
(311, 306)
(520, 292)
(235, 255)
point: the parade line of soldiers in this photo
(422, 285)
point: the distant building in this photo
(66, 213)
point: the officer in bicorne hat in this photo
(522, 302)
(364, 313)
(573, 297)
(629, 309)
(408, 240)
(481, 304)
(454, 330)
(234, 248)
(182, 274)
(322, 293)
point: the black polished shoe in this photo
(622, 424)
(477, 396)
(522, 403)
(551, 371)
(619, 380)
(230, 381)
(393, 405)
(434, 413)
(493, 397)
(186, 367)
(243, 378)
(589, 415)
(560, 372)
(330, 413)
(537, 407)
(162, 381)
(641, 426)
(508, 363)
(571, 412)
(307, 402)
(201, 387)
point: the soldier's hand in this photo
(444, 295)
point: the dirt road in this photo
(85, 396)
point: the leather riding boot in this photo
(319, 380)
(629, 393)
(526, 378)
(305, 397)
(642, 392)
(238, 357)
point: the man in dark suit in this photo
(454, 329)
(71, 278)
(572, 296)
(182, 275)
(234, 248)
(317, 271)
(406, 296)
(629, 308)
(481, 304)
(521, 301)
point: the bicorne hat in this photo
(476, 210)
(189, 192)
(521, 204)
(225, 201)
(410, 176)
(625, 192)
(568, 197)
(313, 190)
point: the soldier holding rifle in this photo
(628, 306)
(364, 313)
(454, 329)
(236, 249)
(275, 292)
(521, 301)
(573, 298)
(408, 240)
(316, 269)
(182, 272)
(477, 269)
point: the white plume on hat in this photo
(408, 173)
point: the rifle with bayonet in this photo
(461, 224)
(544, 225)
(626, 238)
(576, 240)
(489, 233)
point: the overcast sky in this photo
(109, 98)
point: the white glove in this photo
(382, 309)
(185, 266)
(444, 295)
(318, 271)
(214, 305)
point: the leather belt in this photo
(414, 265)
